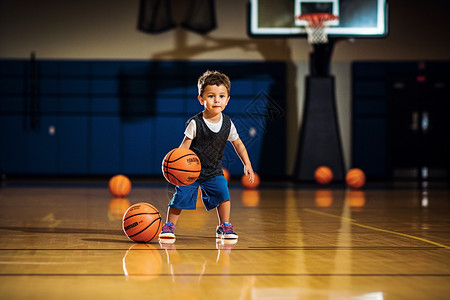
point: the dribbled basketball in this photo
(355, 178)
(181, 166)
(142, 222)
(323, 175)
(250, 185)
(119, 185)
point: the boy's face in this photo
(214, 98)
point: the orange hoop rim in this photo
(317, 19)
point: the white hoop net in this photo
(316, 34)
(316, 27)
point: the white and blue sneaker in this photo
(225, 231)
(167, 231)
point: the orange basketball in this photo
(199, 198)
(181, 166)
(226, 174)
(119, 185)
(247, 184)
(323, 175)
(142, 222)
(355, 178)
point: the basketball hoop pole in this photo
(320, 58)
(319, 137)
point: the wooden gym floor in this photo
(63, 240)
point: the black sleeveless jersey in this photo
(210, 146)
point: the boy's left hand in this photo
(249, 171)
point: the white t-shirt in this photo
(191, 129)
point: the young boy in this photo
(207, 134)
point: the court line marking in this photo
(339, 248)
(222, 275)
(35, 263)
(250, 248)
(353, 222)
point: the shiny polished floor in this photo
(63, 240)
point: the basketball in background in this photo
(226, 174)
(355, 178)
(119, 185)
(181, 166)
(323, 175)
(249, 185)
(142, 222)
(199, 198)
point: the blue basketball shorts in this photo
(214, 192)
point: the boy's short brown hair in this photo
(213, 78)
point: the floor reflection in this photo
(117, 207)
(250, 198)
(323, 197)
(142, 262)
(356, 199)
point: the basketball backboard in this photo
(356, 18)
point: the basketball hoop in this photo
(316, 26)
